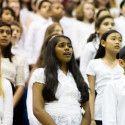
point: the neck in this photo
(64, 68)
(110, 57)
(68, 14)
(55, 20)
(86, 21)
(101, 7)
(25, 5)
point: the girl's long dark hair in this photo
(7, 50)
(101, 51)
(97, 25)
(51, 75)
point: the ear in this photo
(103, 43)
(122, 63)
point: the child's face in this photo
(103, 2)
(15, 6)
(7, 16)
(5, 36)
(63, 50)
(104, 13)
(58, 29)
(88, 11)
(57, 10)
(113, 43)
(122, 10)
(45, 9)
(107, 24)
(16, 33)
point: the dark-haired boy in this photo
(113, 111)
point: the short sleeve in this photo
(38, 76)
(90, 68)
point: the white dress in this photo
(65, 111)
(114, 103)
(6, 104)
(13, 71)
(103, 76)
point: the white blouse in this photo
(114, 103)
(67, 109)
(103, 76)
(6, 104)
(13, 71)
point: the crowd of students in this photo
(62, 62)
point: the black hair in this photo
(7, 50)
(97, 25)
(101, 51)
(122, 3)
(41, 2)
(121, 54)
(7, 8)
(51, 75)
(104, 9)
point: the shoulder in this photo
(17, 60)
(39, 71)
(95, 61)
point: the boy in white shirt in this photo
(113, 110)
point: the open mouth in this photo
(117, 47)
(4, 40)
(67, 54)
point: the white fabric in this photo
(114, 103)
(88, 54)
(13, 71)
(65, 111)
(103, 76)
(6, 104)
(16, 50)
(120, 26)
(34, 39)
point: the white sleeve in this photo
(37, 76)
(86, 57)
(90, 68)
(29, 42)
(8, 104)
(109, 106)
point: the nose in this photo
(4, 34)
(66, 47)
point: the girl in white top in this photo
(12, 68)
(102, 25)
(59, 91)
(6, 101)
(113, 110)
(102, 70)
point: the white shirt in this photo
(6, 104)
(120, 26)
(88, 54)
(13, 71)
(114, 103)
(103, 76)
(16, 50)
(67, 109)
(35, 38)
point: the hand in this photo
(93, 122)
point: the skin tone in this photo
(63, 51)
(88, 11)
(16, 33)
(7, 16)
(102, 3)
(122, 64)
(5, 37)
(15, 6)
(57, 12)
(58, 29)
(122, 10)
(112, 46)
(107, 24)
(45, 10)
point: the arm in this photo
(17, 95)
(38, 105)
(91, 80)
(109, 108)
(86, 116)
(8, 105)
